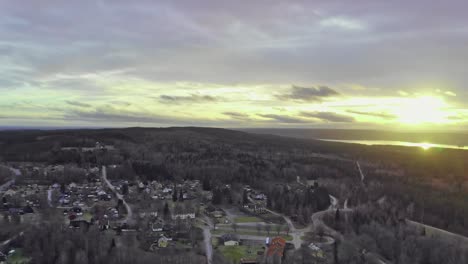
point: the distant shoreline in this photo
(423, 145)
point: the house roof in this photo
(276, 247)
(229, 237)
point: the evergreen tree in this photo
(125, 189)
(166, 211)
(181, 196)
(206, 184)
(217, 196)
(174, 195)
(245, 198)
(337, 216)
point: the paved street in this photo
(129, 216)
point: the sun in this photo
(425, 146)
(422, 110)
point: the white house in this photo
(183, 216)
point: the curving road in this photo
(129, 216)
(293, 231)
(8, 241)
(363, 177)
(6, 185)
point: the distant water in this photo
(423, 145)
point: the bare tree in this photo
(234, 227)
(320, 231)
(278, 229)
(268, 229)
(287, 229)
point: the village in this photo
(162, 215)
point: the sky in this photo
(267, 63)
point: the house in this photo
(167, 190)
(217, 214)
(317, 252)
(258, 208)
(230, 240)
(157, 227)
(16, 211)
(275, 251)
(163, 242)
(260, 196)
(183, 216)
(10, 192)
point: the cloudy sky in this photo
(264, 63)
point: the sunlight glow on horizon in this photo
(420, 110)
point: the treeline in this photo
(299, 205)
(51, 245)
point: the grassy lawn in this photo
(87, 216)
(18, 258)
(235, 253)
(247, 219)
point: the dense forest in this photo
(425, 186)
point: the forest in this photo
(424, 186)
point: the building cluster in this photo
(256, 201)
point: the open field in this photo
(235, 253)
(248, 219)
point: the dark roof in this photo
(229, 237)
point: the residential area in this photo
(160, 215)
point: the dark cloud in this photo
(236, 115)
(193, 98)
(114, 117)
(78, 104)
(308, 94)
(329, 117)
(111, 115)
(282, 118)
(121, 103)
(373, 114)
(380, 45)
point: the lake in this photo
(423, 145)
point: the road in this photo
(293, 231)
(49, 197)
(4, 244)
(430, 230)
(433, 231)
(16, 173)
(8, 241)
(207, 239)
(360, 172)
(318, 222)
(129, 216)
(333, 202)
